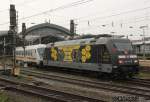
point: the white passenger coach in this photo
(32, 55)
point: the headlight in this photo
(120, 61)
(135, 61)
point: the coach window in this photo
(27, 53)
(31, 52)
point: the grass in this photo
(4, 97)
(144, 75)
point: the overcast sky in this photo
(94, 16)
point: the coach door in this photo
(104, 56)
(105, 59)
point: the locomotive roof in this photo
(101, 40)
(31, 47)
(74, 42)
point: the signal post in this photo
(12, 32)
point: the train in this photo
(106, 55)
(30, 55)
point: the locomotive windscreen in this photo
(41, 51)
(122, 46)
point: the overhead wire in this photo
(19, 4)
(78, 3)
(25, 2)
(135, 20)
(58, 8)
(3, 10)
(113, 15)
(104, 17)
(96, 26)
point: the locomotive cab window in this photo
(123, 46)
(40, 51)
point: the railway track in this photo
(140, 82)
(92, 84)
(51, 95)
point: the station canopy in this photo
(45, 33)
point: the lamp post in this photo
(131, 27)
(143, 28)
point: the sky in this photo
(119, 17)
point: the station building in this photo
(45, 33)
(142, 46)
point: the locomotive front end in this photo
(128, 64)
(125, 61)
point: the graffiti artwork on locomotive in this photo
(105, 55)
(32, 54)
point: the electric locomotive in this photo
(113, 56)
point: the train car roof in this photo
(101, 40)
(31, 47)
(70, 42)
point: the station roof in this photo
(46, 32)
